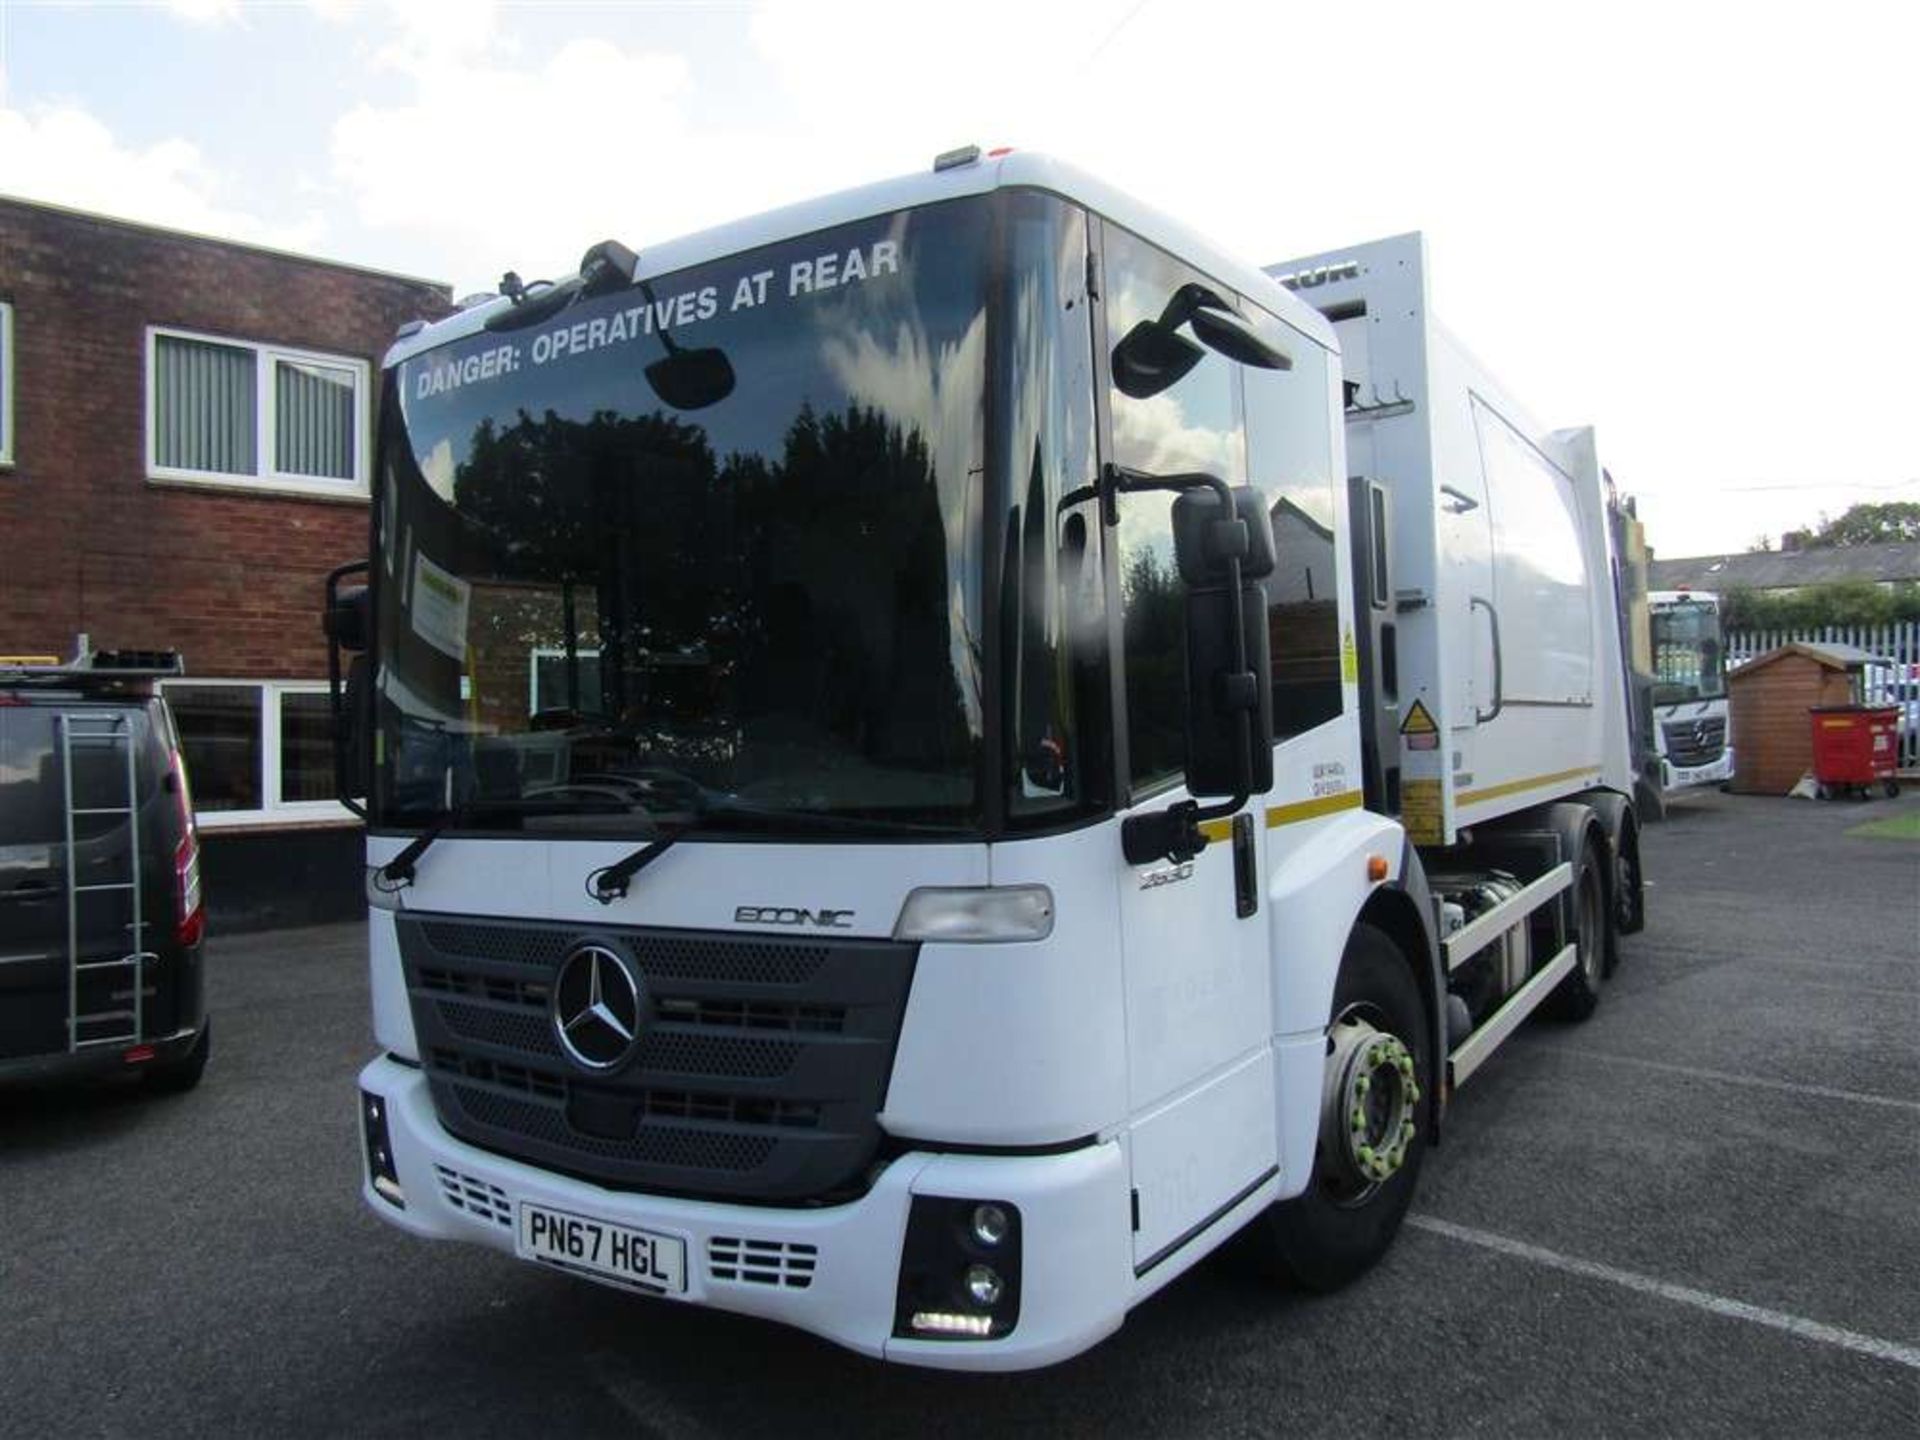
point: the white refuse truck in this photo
(1689, 688)
(910, 795)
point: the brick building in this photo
(186, 429)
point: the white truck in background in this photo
(1689, 689)
(1004, 811)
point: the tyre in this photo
(1893, 789)
(1376, 1117)
(1629, 892)
(1578, 996)
(181, 1074)
(1628, 889)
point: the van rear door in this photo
(45, 748)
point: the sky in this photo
(1694, 226)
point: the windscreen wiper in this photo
(611, 882)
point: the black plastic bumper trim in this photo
(902, 1144)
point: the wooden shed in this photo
(1769, 698)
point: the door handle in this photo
(1478, 602)
(1246, 881)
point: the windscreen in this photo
(705, 545)
(1688, 660)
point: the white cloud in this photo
(205, 12)
(983, 73)
(487, 166)
(1155, 434)
(422, 24)
(65, 156)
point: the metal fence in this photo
(1896, 683)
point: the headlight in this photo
(959, 1270)
(976, 913)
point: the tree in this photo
(1869, 524)
(1838, 602)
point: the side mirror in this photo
(1203, 542)
(691, 379)
(1229, 710)
(352, 719)
(347, 622)
(1152, 357)
(346, 619)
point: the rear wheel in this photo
(183, 1072)
(1578, 995)
(1374, 1122)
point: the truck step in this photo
(1472, 1052)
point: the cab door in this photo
(1195, 964)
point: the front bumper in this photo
(1077, 1276)
(1678, 777)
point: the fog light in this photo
(989, 1225)
(381, 1173)
(960, 1266)
(983, 1286)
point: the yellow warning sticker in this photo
(1418, 730)
(1420, 811)
(1349, 659)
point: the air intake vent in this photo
(478, 1198)
(761, 1262)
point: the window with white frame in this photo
(230, 412)
(547, 686)
(6, 383)
(257, 750)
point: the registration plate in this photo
(639, 1259)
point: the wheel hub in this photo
(1372, 1095)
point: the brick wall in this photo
(86, 541)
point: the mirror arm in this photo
(1118, 480)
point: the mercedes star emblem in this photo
(598, 1008)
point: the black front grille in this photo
(1692, 742)
(759, 1074)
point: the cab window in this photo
(1192, 425)
(1290, 457)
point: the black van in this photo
(101, 919)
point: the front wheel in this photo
(1375, 1117)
